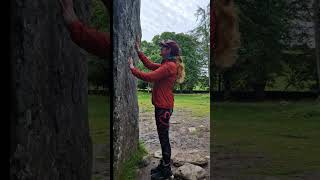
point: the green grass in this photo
(99, 119)
(97, 178)
(128, 170)
(198, 104)
(288, 135)
(99, 122)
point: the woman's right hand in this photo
(130, 62)
(68, 11)
(137, 44)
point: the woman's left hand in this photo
(130, 61)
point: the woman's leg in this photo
(162, 120)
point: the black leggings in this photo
(162, 120)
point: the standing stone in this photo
(49, 119)
(126, 26)
(316, 14)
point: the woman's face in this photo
(164, 52)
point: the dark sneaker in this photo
(163, 174)
(158, 168)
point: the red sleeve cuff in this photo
(133, 70)
(74, 25)
(140, 54)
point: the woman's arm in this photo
(147, 63)
(145, 60)
(160, 73)
(94, 42)
(97, 43)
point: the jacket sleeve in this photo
(94, 42)
(147, 63)
(158, 74)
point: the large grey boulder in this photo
(49, 120)
(190, 172)
(126, 25)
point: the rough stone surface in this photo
(316, 15)
(190, 172)
(193, 157)
(146, 160)
(192, 129)
(49, 120)
(126, 25)
(158, 154)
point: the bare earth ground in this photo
(101, 163)
(180, 137)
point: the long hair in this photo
(180, 70)
(227, 33)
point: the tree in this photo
(99, 72)
(202, 33)
(298, 68)
(298, 61)
(264, 29)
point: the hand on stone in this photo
(130, 61)
(68, 11)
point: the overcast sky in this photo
(158, 16)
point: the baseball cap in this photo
(173, 45)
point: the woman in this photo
(163, 76)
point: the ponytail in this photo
(180, 70)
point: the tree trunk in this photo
(49, 122)
(258, 88)
(226, 85)
(316, 8)
(126, 26)
(219, 82)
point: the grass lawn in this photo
(99, 119)
(199, 104)
(99, 123)
(288, 135)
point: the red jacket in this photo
(163, 76)
(94, 42)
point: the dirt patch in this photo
(187, 133)
(101, 162)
